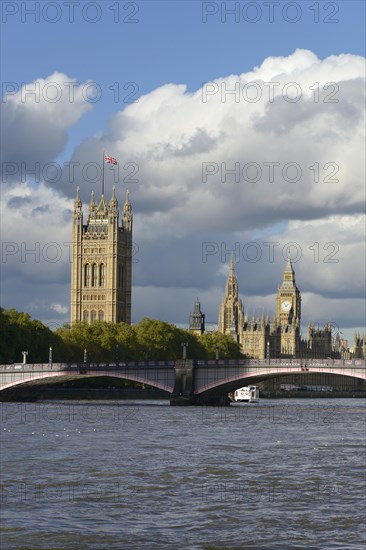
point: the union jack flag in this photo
(109, 159)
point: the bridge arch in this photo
(235, 381)
(62, 379)
(12, 376)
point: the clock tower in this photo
(288, 312)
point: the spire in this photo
(77, 199)
(231, 312)
(232, 269)
(77, 202)
(232, 283)
(92, 203)
(127, 213)
(289, 267)
(127, 205)
(113, 203)
(102, 209)
(289, 273)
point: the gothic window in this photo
(257, 343)
(247, 342)
(101, 315)
(94, 275)
(93, 315)
(86, 275)
(102, 275)
(86, 316)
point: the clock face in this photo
(286, 305)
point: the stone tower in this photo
(359, 346)
(288, 312)
(231, 313)
(197, 319)
(101, 261)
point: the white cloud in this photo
(59, 308)
(169, 135)
(35, 121)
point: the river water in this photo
(279, 474)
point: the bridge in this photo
(188, 382)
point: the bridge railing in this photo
(77, 366)
(284, 362)
(265, 363)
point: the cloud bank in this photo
(275, 156)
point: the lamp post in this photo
(184, 346)
(50, 356)
(268, 351)
(85, 356)
(24, 353)
(217, 352)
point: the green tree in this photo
(158, 340)
(105, 342)
(20, 333)
(229, 348)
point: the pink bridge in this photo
(187, 381)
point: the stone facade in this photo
(260, 337)
(101, 261)
(359, 347)
(231, 313)
(197, 319)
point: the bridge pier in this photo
(183, 385)
(183, 392)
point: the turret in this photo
(101, 213)
(92, 203)
(197, 319)
(77, 202)
(113, 203)
(127, 213)
(232, 283)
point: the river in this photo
(279, 474)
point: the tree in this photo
(229, 348)
(106, 342)
(21, 333)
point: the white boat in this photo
(247, 394)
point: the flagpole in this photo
(103, 173)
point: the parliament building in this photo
(101, 261)
(101, 280)
(261, 337)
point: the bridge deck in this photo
(203, 375)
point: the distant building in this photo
(261, 336)
(319, 342)
(359, 347)
(197, 319)
(101, 261)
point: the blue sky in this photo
(170, 133)
(169, 42)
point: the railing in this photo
(302, 363)
(77, 366)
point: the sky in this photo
(237, 126)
